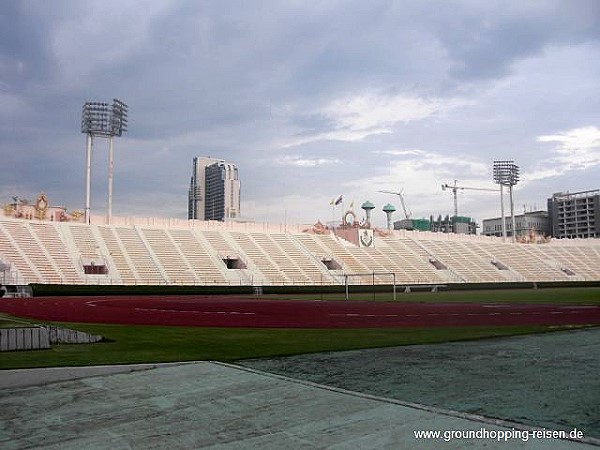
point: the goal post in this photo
(368, 276)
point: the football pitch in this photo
(140, 343)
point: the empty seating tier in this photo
(204, 254)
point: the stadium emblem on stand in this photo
(42, 202)
(365, 238)
(349, 218)
(41, 206)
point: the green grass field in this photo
(146, 344)
(565, 296)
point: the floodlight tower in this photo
(506, 173)
(99, 119)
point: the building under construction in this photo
(575, 215)
(447, 224)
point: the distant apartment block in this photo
(214, 192)
(575, 215)
(526, 224)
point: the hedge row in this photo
(49, 290)
(46, 290)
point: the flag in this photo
(338, 200)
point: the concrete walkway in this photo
(212, 405)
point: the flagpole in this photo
(336, 202)
(332, 214)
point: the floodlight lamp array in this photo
(118, 118)
(506, 173)
(102, 119)
(94, 118)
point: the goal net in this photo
(369, 282)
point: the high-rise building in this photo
(214, 192)
(575, 215)
(197, 191)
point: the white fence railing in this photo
(37, 338)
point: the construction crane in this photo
(406, 211)
(454, 188)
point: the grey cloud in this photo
(485, 39)
(23, 54)
(238, 79)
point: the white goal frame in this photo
(347, 276)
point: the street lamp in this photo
(506, 173)
(99, 119)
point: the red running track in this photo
(212, 311)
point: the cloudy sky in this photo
(310, 99)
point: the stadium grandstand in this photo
(160, 251)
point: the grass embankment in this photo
(146, 344)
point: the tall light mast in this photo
(99, 119)
(506, 173)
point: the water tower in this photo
(389, 210)
(368, 207)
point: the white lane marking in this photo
(436, 314)
(364, 315)
(580, 307)
(233, 313)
